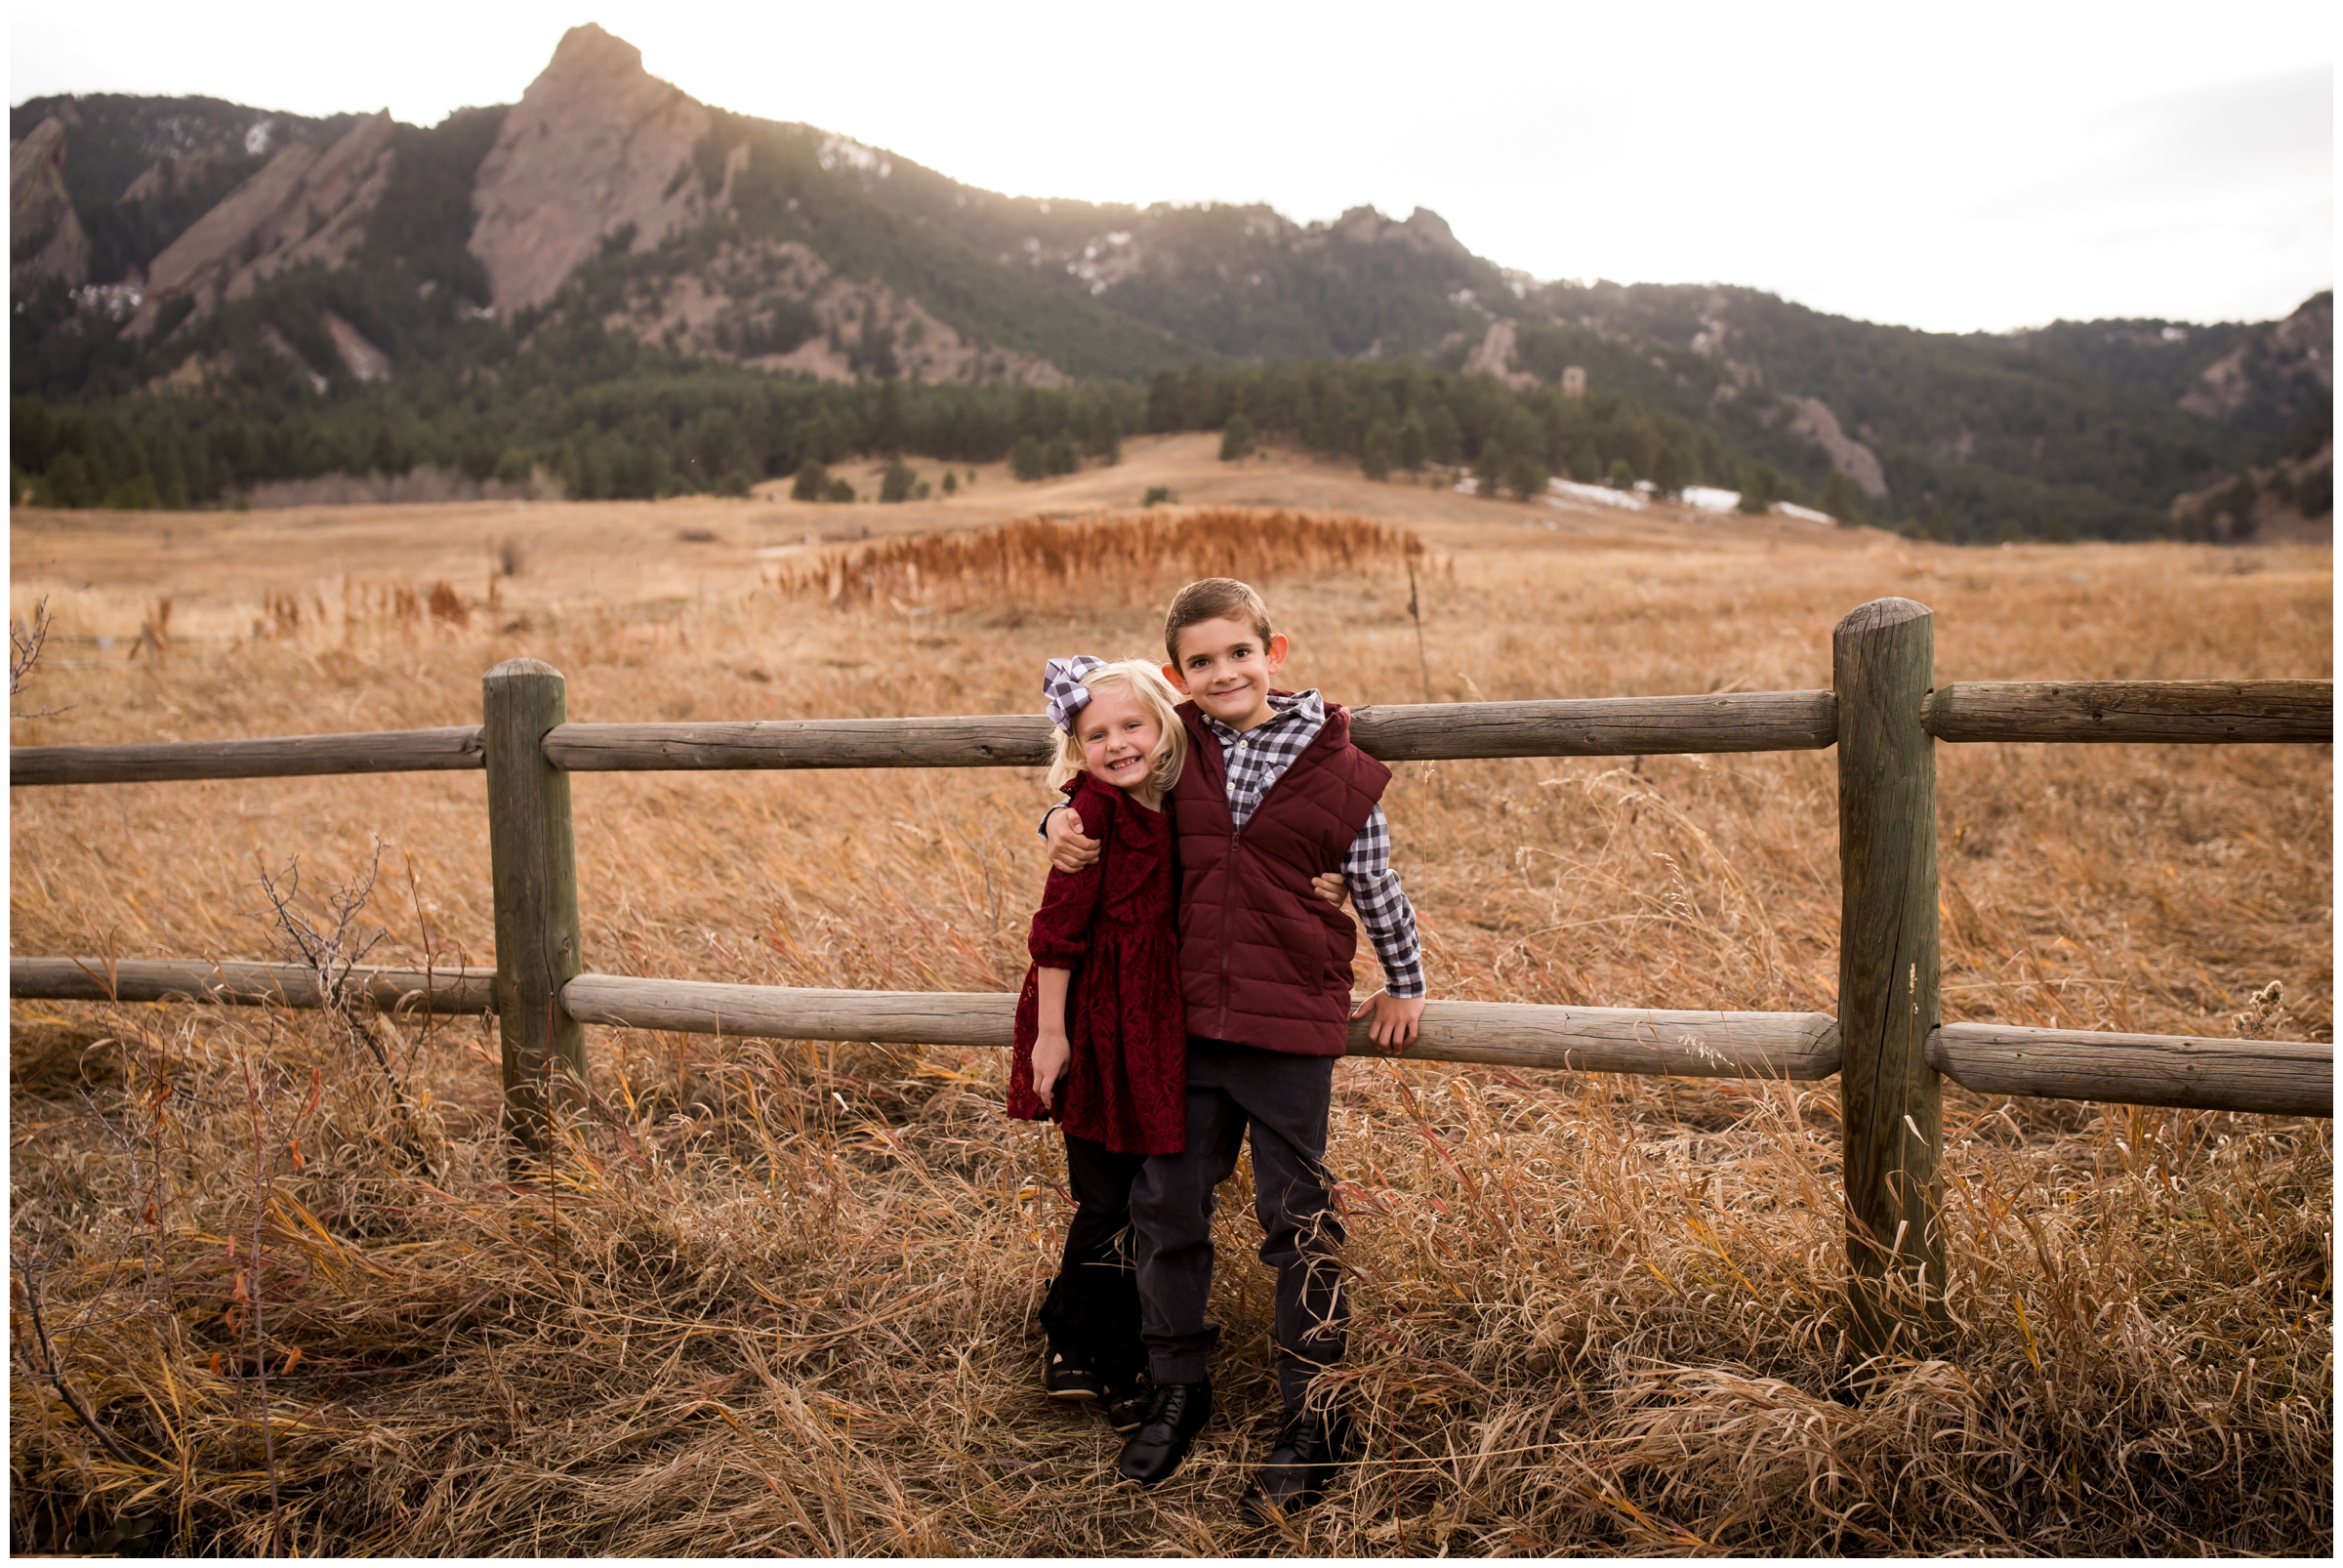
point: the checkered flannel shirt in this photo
(1255, 758)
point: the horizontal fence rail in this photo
(375, 750)
(1512, 1034)
(2189, 712)
(2273, 1077)
(2268, 1077)
(1593, 727)
(288, 985)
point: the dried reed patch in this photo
(780, 1297)
(1101, 561)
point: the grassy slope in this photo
(783, 1300)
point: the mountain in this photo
(207, 297)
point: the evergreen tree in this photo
(1236, 439)
(1025, 459)
(895, 484)
(1526, 475)
(1669, 472)
(1412, 449)
(1376, 451)
(1842, 500)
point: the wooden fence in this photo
(1888, 1044)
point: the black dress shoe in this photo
(1066, 1375)
(1125, 1400)
(1176, 1412)
(1309, 1448)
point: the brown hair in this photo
(1215, 599)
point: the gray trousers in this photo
(1283, 1100)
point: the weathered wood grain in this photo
(2273, 1077)
(1594, 727)
(290, 985)
(533, 869)
(984, 740)
(379, 750)
(1616, 1040)
(2202, 712)
(1599, 726)
(1892, 1101)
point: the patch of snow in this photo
(1120, 236)
(255, 139)
(1707, 498)
(1461, 297)
(1520, 289)
(2176, 334)
(838, 149)
(1805, 513)
(1560, 490)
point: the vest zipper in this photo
(1236, 845)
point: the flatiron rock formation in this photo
(307, 205)
(597, 147)
(42, 226)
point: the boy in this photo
(1273, 793)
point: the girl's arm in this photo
(1051, 1048)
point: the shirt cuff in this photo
(1043, 829)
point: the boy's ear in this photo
(1178, 682)
(1274, 656)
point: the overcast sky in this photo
(1946, 167)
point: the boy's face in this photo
(1225, 666)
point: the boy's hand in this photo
(1395, 1019)
(1333, 888)
(1069, 850)
(1051, 1054)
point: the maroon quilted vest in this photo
(1264, 960)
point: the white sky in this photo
(1951, 167)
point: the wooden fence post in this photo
(1882, 661)
(533, 865)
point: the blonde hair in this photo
(1146, 683)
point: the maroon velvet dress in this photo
(1115, 925)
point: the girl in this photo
(1101, 1042)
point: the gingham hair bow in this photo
(1063, 682)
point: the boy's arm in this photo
(1069, 850)
(1390, 922)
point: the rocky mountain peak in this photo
(45, 234)
(597, 147)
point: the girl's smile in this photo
(1119, 737)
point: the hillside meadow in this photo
(779, 1297)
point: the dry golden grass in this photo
(780, 1297)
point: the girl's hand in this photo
(1051, 1054)
(1333, 888)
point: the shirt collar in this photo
(1308, 706)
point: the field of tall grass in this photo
(272, 1290)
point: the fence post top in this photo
(520, 669)
(1879, 614)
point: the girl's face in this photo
(1118, 735)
